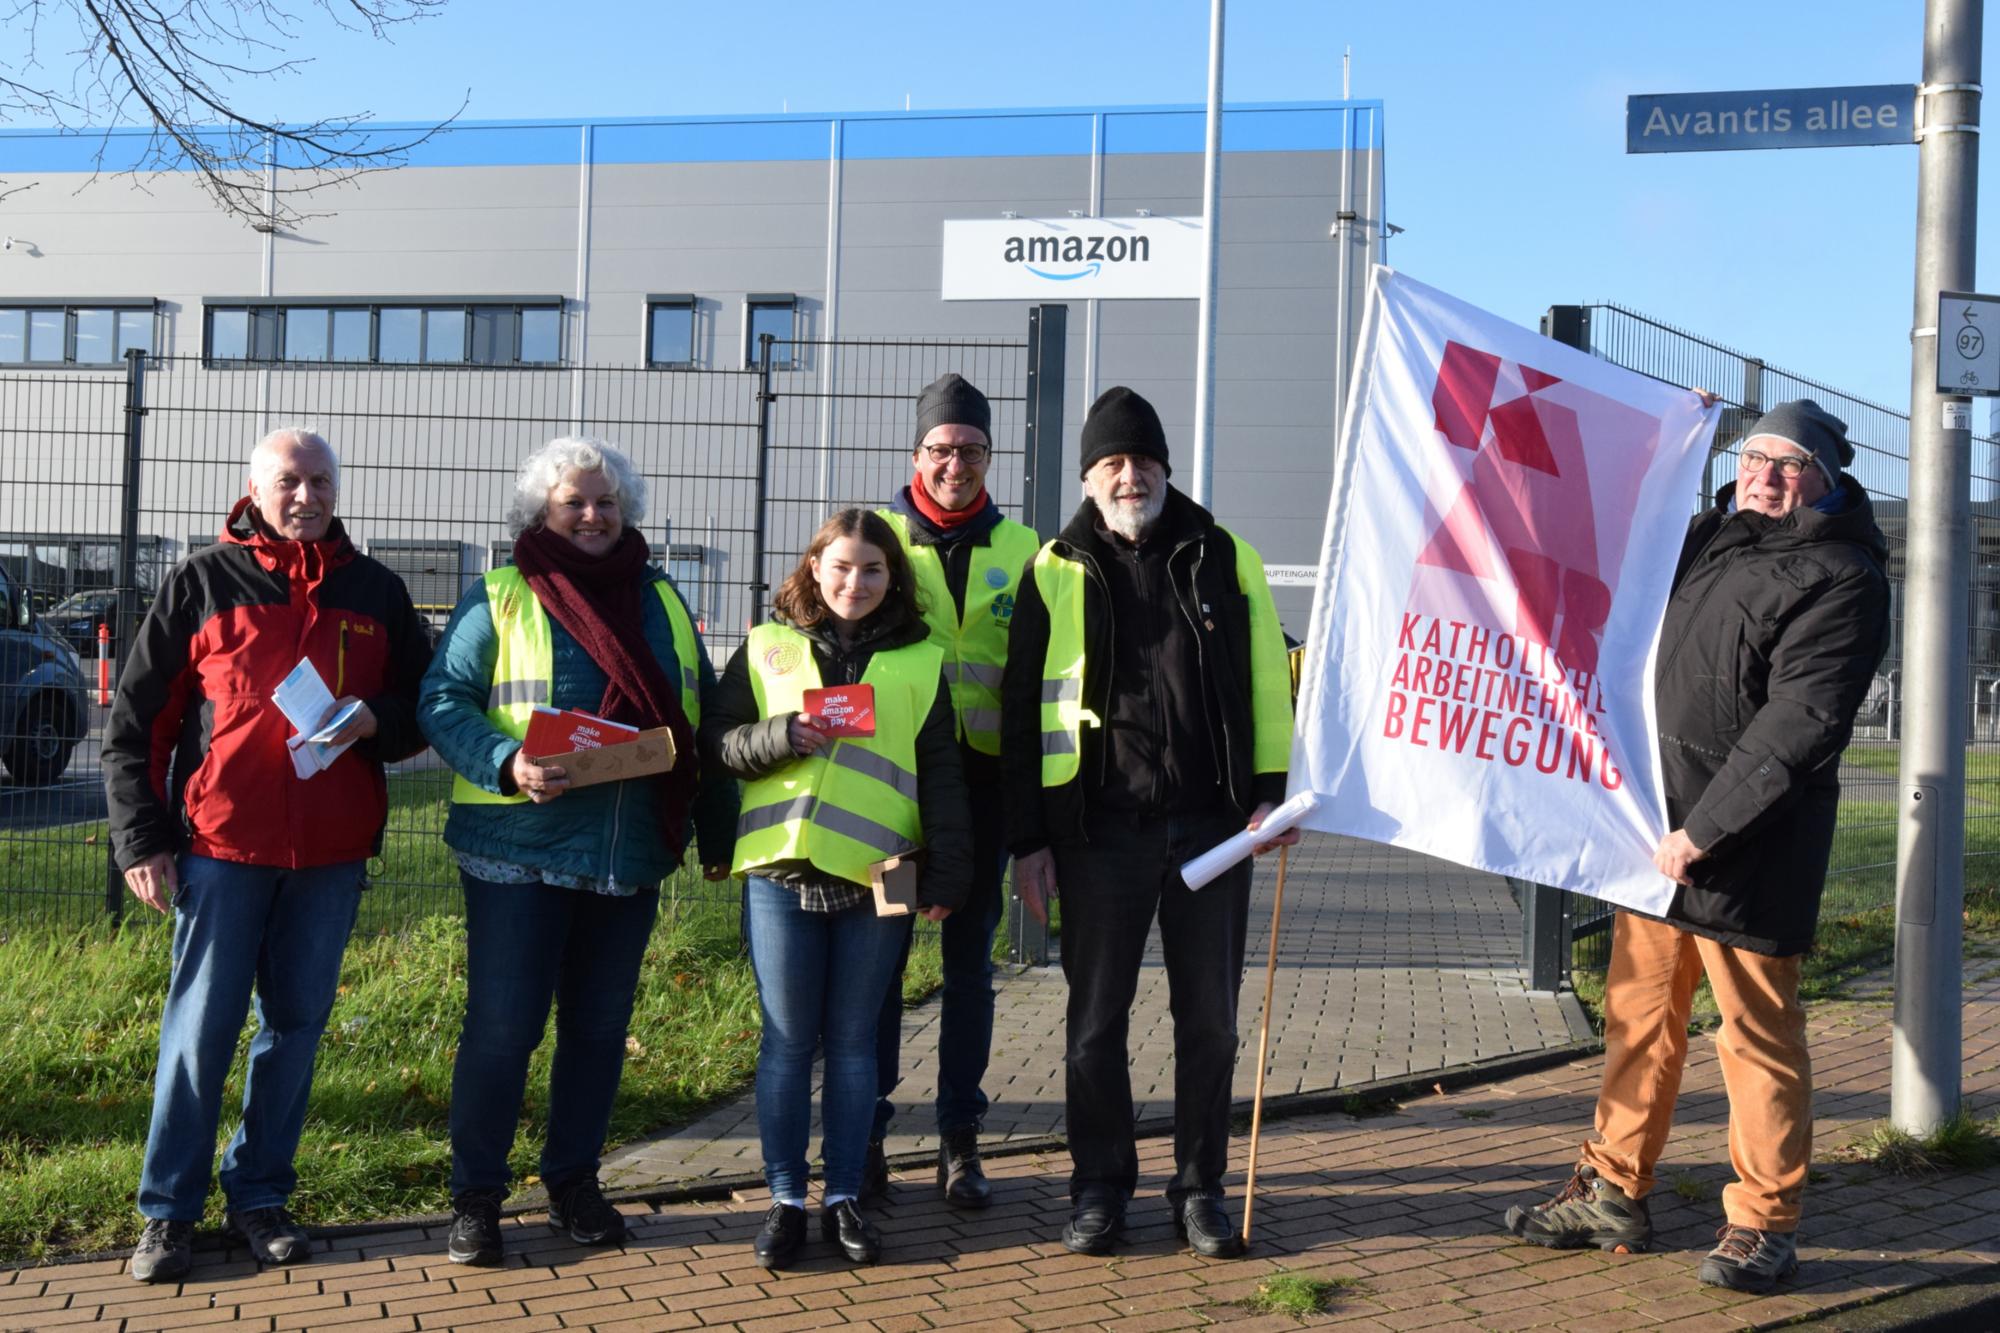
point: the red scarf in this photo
(599, 600)
(939, 516)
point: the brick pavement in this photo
(1401, 1208)
(1391, 965)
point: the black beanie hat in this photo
(1813, 429)
(951, 400)
(1121, 422)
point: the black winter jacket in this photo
(736, 736)
(1201, 569)
(1771, 639)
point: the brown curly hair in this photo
(798, 599)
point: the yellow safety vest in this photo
(974, 641)
(854, 802)
(524, 668)
(1061, 582)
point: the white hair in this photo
(303, 436)
(544, 470)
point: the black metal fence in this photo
(1863, 871)
(107, 478)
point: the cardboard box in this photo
(647, 752)
(895, 884)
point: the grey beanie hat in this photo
(1812, 428)
(953, 400)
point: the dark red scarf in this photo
(599, 600)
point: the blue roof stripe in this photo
(1038, 132)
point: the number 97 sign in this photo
(1968, 344)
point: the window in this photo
(506, 331)
(670, 331)
(97, 334)
(767, 312)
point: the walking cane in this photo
(1263, 1046)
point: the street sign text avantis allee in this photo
(1968, 344)
(1771, 118)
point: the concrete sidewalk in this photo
(1400, 1209)
(1390, 965)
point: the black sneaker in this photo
(582, 1210)
(475, 1228)
(959, 1172)
(1747, 1259)
(845, 1226)
(875, 1172)
(1589, 1210)
(273, 1235)
(782, 1236)
(165, 1252)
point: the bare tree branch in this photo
(174, 66)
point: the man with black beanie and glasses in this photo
(968, 559)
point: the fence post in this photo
(1544, 941)
(125, 625)
(1041, 473)
(759, 585)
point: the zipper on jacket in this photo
(1222, 750)
(340, 662)
(617, 808)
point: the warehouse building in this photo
(514, 280)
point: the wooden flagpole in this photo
(1263, 1047)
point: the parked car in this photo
(77, 616)
(44, 710)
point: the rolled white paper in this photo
(1204, 868)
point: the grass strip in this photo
(79, 1032)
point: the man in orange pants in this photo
(1777, 621)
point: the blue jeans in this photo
(819, 983)
(239, 927)
(965, 1008)
(526, 946)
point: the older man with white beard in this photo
(1146, 715)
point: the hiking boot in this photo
(475, 1228)
(875, 1172)
(273, 1235)
(1746, 1259)
(960, 1175)
(1590, 1210)
(582, 1210)
(781, 1237)
(165, 1252)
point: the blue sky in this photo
(1505, 125)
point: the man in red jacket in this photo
(261, 862)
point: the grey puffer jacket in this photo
(1770, 641)
(737, 737)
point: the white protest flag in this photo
(1505, 520)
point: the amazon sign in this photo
(1073, 259)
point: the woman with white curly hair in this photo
(562, 884)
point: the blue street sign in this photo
(1770, 118)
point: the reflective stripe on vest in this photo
(974, 642)
(854, 802)
(524, 665)
(1061, 584)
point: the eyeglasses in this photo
(1789, 465)
(972, 455)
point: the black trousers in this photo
(1113, 884)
